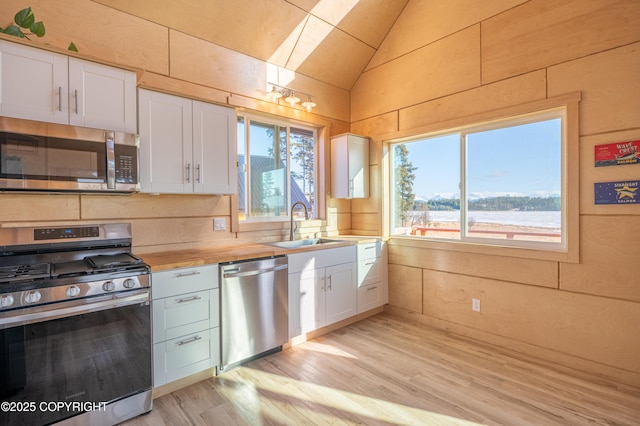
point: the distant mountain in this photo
(494, 202)
(481, 195)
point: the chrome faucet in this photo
(306, 216)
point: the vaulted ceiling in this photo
(328, 40)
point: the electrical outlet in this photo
(219, 224)
(475, 305)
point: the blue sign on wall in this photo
(624, 192)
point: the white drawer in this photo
(369, 250)
(184, 314)
(183, 280)
(187, 355)
(369, 297)
(369, 271)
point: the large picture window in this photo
(277, 168)
(499, 182)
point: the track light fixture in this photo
(290, 96)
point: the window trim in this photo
(570, 180)
(288, 123)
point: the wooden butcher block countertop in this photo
(165, 260)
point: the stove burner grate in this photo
(20, 272)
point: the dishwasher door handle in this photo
(232, 273)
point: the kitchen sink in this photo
(302, 243)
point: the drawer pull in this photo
(188, 299)
(187, 274)
(370, 263)
(190, 340)
(369, 247)
(372, 288)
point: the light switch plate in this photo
(219, 223)
(475, 305)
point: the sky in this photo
(520, 160)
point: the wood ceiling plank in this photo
(368, 21)
(329, 54)
(259, 28)
(424, 21)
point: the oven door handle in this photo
(67, 309)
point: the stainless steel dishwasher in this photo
(254, 308)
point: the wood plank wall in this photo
(447, 60)
(174, 62)
(441, 61)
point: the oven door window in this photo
(43, 158)
(95, 357)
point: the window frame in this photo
(569, 180)
(318, 202)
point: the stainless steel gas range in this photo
(75, 333)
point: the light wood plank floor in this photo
(382, 371)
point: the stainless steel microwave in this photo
(37, 156)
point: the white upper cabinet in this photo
(349, 166)
(186, 146)
(214, 149)
(34, 84)
(166, 143)
(44, 86)
(101, 97)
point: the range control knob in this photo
(109, 286)
(129, 283)
(32, 296)
(72, 291)
(6, 300)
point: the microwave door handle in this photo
(111, 160)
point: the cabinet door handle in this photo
(190, 340)
(329, 285)
(198, 173)
(59, 98)
(188, 172)
(323, 284)
(372, 288)
(188, 299)
(75, 95)
(187, 274)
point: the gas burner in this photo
(34, 271)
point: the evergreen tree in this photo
(404, 182)
(303, 154)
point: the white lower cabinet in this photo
(372, 275)
(186, 322)
(322, 288)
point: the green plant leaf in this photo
(72, 47)
(14, 31)
(25, 18)
(37, 28)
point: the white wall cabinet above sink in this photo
(186, 146)
(349, 166)
(39, 85)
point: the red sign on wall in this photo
(616, 154)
